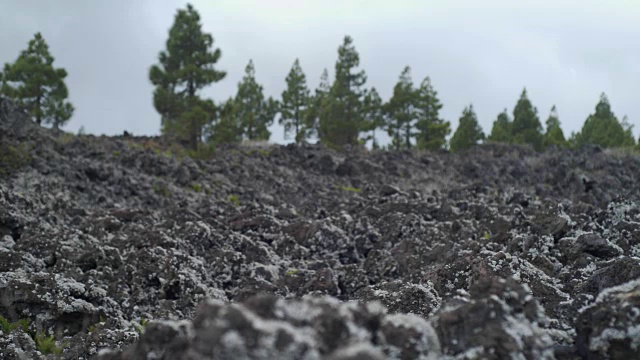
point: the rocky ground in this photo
(116, 248)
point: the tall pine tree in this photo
(185, 67)
(402, 112)
(256, 114)
(603, 128)
(374, 117)
(227, 128)
(501, 130)
(432, 130)
(526, 128)
(36, 85)
(312, 116)
(341, 119)
(295, 102)
(629, 140)
(554, 135)
(468, 132)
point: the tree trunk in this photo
(297, 121)
(194, 135)
(38, 110)
(194, 140)
(407, 136)
(398, 135)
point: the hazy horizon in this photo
(564, 54)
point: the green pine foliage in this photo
(192, 121)
(468, 132)
(402, 112)
(254, 112)
(312, 116)
(526, 128)
(374, 116)
(629, 141)
(227, 128)
(13, 157)
(47, 344)
(295, 102)
(6, 326)
(341, 115)
(270, 111)
(432, 130)
(185, 68)
(554, 135)
(501, 130)
(603, 128)
(34, 83)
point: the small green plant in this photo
(65, 138)
(349, 189)
(204, 152)
(116, 153)
(143, 325)
(47, 344)
(486, 235)
(161, 190)
(263, 152)
(12, 158)
(196, 187)
(234, 200)
(292, 272)
(23, 324)
(135, 145)
(8, 327)
(5, 325)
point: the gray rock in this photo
(610, 327)
(266, 327)
(100, 234)
(595, 245)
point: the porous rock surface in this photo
(300, 252)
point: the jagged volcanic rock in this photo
(301, 252)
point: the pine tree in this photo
(227, 129)
(573, 142)
(185, 67)
(468, 132)
(36, 85)
(432, 130)
(402, 112)
(341, 119)
(628, 141)
(501, 130)
(271, 108)
(255, 113)
(603, 128)
(554, 135)
(374, 117)
(526, 128)
(295, 102)
(312, 116)
(196, 114)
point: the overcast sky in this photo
(481, 52)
